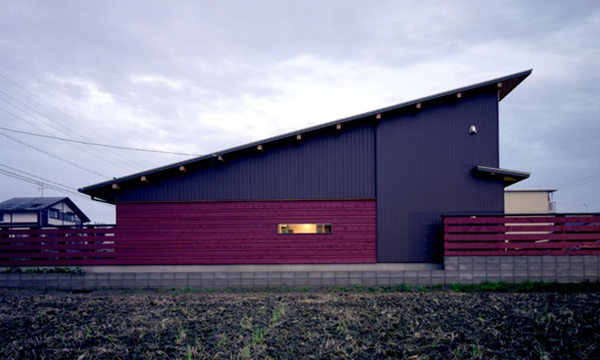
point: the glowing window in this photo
(304, 229)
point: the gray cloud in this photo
(201, 76)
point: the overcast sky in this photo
(200, 76)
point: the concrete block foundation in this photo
(466, 270)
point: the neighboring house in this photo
(371, 188)
(529, 201)
(42, 212)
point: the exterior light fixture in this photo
(472, 129)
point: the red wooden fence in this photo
(90, 245)
(560, 234)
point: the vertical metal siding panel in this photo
(424, 170)
(324, 167)
(244, 232)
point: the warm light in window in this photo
(304, 229)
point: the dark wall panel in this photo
(244, 232)
(335, 165)
(424, 169)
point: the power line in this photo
(96, 144)
(585, 197)
(47, 104)
(18, 117)
(59, 130)
(54, 156)
(580, 181)
(39, 177)
(37, 180)
(123, 160)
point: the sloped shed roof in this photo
(106, 190)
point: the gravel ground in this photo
(288, 325)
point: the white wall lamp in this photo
(472, 129)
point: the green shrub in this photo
(54, 270)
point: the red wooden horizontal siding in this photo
(522, 235)
(244, 232)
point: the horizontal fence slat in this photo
(533, 252)
(521, 237)
(558, 219)
(511, 227)
(57, 247)
(57, 254)
(60, 240)
(56, 232)
(511, 245)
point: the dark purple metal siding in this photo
(335, 165)
(424, 169)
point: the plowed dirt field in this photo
(287, 325)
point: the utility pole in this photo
(586, 207)
(41, 189)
